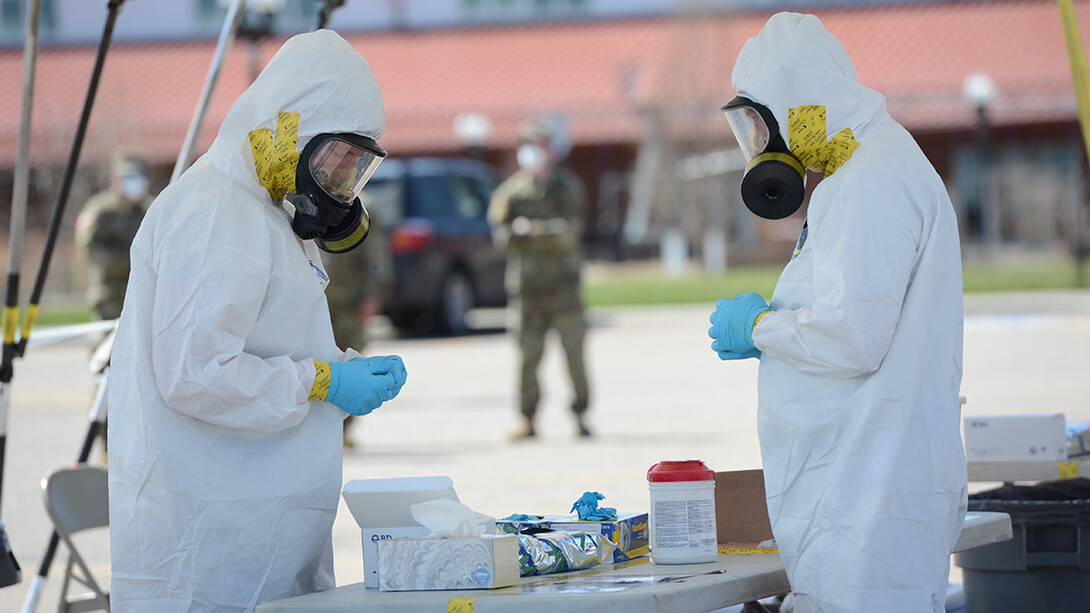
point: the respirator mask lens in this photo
(342, 165)
(326, 208)
(749, 129)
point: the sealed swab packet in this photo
(551, 551)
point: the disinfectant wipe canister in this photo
(682, 512)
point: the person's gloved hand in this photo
(734, 355)
(359, 385)
(732, 326)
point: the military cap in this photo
(125, 164)
(536, 132)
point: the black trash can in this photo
(1046, 565)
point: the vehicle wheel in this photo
(403, 319)
(456, 304)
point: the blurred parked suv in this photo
(434, 211)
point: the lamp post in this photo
(979, 90)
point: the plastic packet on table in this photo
(554, 551)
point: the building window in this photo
(49, 16)
(306, 9)
(11, 16)
(209, 11)
(508, 8)
(290, 14)
(13, 12)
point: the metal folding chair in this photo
(76, 499)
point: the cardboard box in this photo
(485, 562)
(629, 532)
(741, 514)
(382, 510)
(1039, 437)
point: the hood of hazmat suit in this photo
(861, 360)
(224, 478)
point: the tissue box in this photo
(1016, 438)
(629, 532)
(484, 562)
(382, 509)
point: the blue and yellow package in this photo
(547, 551)
(629, 532)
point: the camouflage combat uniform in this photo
(104, 231)
(365, 273)
(543, 275)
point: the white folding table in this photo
(636, 586)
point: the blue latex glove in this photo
(360, 385)
(587, 508)
(522, 517)
(734, 355)
(732, 325)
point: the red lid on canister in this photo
(680, 470)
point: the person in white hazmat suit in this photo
(229, 390)
(860, 347)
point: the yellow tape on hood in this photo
(276, 159)
(806, 130)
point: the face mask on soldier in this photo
(531, 157)
(134, 188)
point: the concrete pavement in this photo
(658, 392)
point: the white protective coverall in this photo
(224, 478)
(861, 359)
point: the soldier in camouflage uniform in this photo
(105, 228)
(537, 217)
(359, 283)
(104, 231)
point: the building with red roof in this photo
(635, 97)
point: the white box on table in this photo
(1029, 437)
(426, 563)
(382, 509)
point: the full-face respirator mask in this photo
(773, 186)
(325, 205)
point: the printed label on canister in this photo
(683, 522)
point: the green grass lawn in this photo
(646, 285)
(649, 286)
(58, 316)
